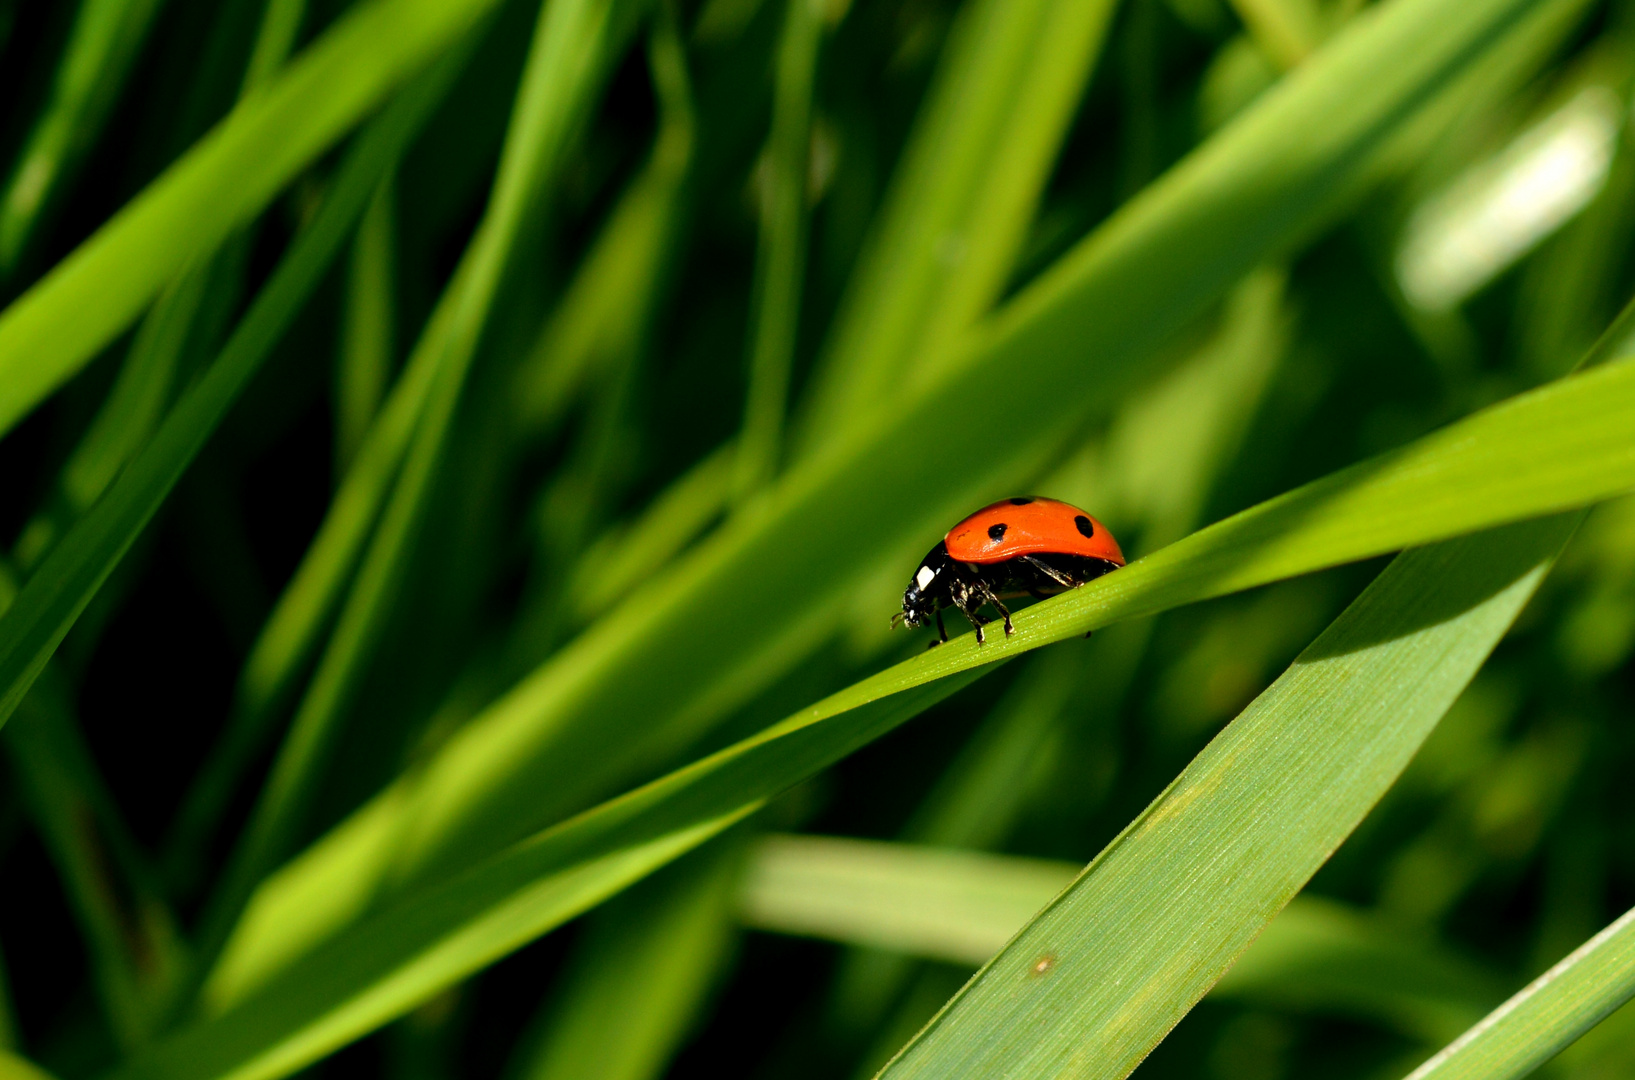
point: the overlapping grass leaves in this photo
(410, 950)
(655, 673)
(227, 178)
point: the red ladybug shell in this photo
(1027, 526)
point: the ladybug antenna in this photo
(897, 619)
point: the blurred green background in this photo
(611, 284)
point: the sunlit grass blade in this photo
(675, 929)
(964, 906)
(939, 903)
(105, 41)
(661, 669)
(49, 332)
(1182, 892)
(1544, 1018)
(70, 575)
(575, 45)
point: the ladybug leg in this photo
(941, 630)
(976, 620)
(992, 598)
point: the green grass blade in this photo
(780, 259)
(575, 45)
(280, 24)
(70, 575)
(615, 564)
(676, 930)
(960, 203)
(365, 365)
(1285, 30)
(160, 356)
(1095, 981)
(140, 395)
(964, 906)
(49, 332)
(403, 958)
(106, 39)
(936, 902)
(1545, 1017)
(659, 670)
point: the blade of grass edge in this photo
(1547, 1015)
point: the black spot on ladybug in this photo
(996, 532)
(1084, 525)
(1021, 501)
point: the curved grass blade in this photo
(49, 332)
(669, 662)
(70, 575)
(1548, 1015)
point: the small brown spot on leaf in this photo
(1043, 966)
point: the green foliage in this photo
(461, 459)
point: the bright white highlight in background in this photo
(1494, 213)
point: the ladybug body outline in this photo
(1022, 546)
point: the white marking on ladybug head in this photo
(924, 577)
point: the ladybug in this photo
(1016, 547)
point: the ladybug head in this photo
(928, 590)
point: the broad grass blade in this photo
(1097, 979)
